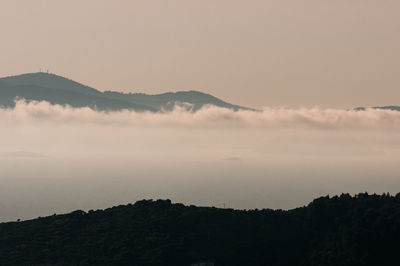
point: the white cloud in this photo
(210, 117)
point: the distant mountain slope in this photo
(389, 107)
(64, 97)
(167, 100)
(345, 230)
(51, 81)
(59, 90)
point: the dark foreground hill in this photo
(345, 230)
(59, 90)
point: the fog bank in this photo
(210, 116)
(55, 159)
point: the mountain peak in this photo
(56, 89)
(48, 80)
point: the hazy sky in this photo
(340, 53)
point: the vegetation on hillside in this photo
(59, 90)
(340, 230)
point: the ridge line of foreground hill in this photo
(340, 230)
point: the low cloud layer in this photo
(210, 116)
(276, 158)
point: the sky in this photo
(337, 54)
(304, 64)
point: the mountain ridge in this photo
(386, 107)
(60, 90)
(339, 230)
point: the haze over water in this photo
(57, 159)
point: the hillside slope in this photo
(345, 230)
(59, 90)
(388, 107)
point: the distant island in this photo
(340, 230)
(59, 90)
(388, 107)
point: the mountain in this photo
(389, 107)
(59, 90)
(339, 230)
(167, 100)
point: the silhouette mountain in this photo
(166, 101)
(330, 231)
(388, 107)
(59, 90)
